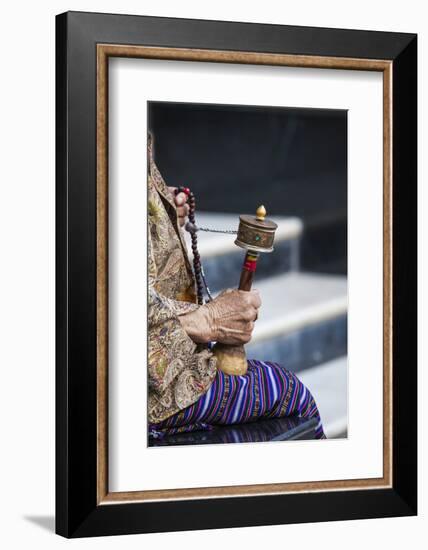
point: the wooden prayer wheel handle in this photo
(232, 359)
(248, 270)
(255, 235)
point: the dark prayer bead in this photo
(197, 267)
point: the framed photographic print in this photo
(236, 274)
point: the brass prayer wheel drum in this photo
(255, 235)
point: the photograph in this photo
(247, 246)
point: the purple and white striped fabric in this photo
(266, 391)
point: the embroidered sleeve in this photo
(171, 350)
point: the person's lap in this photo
(266, 391)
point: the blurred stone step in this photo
(328, 384)
(222, 259)
(302, 321)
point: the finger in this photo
(182, 211)
(253, 315)
(249, 315)
(226, 291)
(251, 299)
(246, 338)
(250, 327)
(172, 190)
(180, 199)
(255, 299)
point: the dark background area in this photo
(294, 161)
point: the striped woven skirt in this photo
(267, 390)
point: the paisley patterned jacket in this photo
(179, 371)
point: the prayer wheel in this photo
(255, 235)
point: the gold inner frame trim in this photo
(104, 51)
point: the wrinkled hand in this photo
(228, 319)
(180, 201)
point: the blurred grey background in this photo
(294, 161)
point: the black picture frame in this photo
(78, 512)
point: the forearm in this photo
(171, 349)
